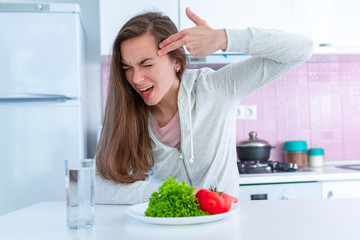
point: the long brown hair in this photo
(124, 153)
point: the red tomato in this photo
(214, 202)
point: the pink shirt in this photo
(170, 133)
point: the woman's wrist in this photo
(222, 39)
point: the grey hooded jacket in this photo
(207, 102)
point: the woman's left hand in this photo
(200, 40)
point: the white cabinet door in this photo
(240, 14)
(330, 22)
(341, 189)
(114, 13)
(283, 191)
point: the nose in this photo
(138, 76)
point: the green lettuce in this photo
(174, 199)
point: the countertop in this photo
(297, 219)
(327, 173)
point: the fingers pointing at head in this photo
(171, 43)
(178, 39)
(194, 18)
(192, 38)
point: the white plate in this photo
(137, 211)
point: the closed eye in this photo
(125, 67)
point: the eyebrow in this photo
(145, 60)
(140, 63)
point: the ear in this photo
(177, 65)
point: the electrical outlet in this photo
(246, 112)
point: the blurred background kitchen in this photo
(319, 102)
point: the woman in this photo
(163, 121)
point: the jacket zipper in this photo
(181, 154)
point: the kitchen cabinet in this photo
(237, 14)
(333, 24)
(326, 22)
(341, 189)
(240, 13)
(282, 191)
(113, 15)
(329, 22)
(301, 190)
(326, 182)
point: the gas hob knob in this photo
(39, 7)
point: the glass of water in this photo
(79, 186)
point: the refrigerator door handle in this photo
(35, 98)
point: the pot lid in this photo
(253, 141)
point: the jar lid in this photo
(293, 146)
(253, 141)
(316, 151)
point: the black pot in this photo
(253, 149)
(253, 153)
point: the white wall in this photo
(90, 14)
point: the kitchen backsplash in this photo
(318, 102)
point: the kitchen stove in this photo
(250, 167)
(274, 180)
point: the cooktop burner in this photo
(266, 167)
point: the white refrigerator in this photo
(41, 100)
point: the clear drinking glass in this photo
(80, 186)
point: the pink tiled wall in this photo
(318, 102)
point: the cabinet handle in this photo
(285, 197)
(330, 195)
(325, 45)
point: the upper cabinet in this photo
(331, 24)
(114, 14)
(239, 13)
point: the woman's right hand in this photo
(201, 40)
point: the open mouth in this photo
(146, 91)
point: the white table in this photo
(296, 219)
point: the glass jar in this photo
(296, 153)
(316, 157)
